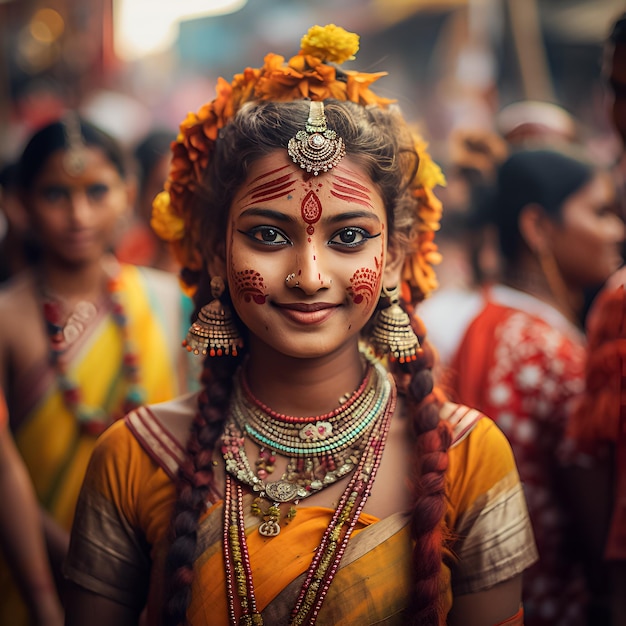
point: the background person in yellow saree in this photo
(293, 206)
(84, 338)
(21, 538)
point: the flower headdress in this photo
(306, 75)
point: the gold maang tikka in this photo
(316, 149)
(74, 159)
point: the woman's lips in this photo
(303, 313)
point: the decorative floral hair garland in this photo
(306, 75)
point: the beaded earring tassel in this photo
(214, 332)
(392, 333)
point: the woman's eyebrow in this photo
(268, 213)
(351, 215)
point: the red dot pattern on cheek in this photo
(311, 210)
(249, 286)
(364, 284)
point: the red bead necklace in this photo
(62, 330)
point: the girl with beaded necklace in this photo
(318, 476)
(83, 338)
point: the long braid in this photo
(432, 438)
(195, 479)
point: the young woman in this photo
(521, 357)
(83, 338)
(304, 483)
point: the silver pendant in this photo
(270, 528)
(281, 491)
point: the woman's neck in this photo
(304, 387)
(553, 290)
(74, 282)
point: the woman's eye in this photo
(350, 237)
(54, 194)
(97, 192)
(267, 235)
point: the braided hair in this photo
(381, 143)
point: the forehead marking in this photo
(350, 191)
(271, 189)
(311, 210)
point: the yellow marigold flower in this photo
(429, 174)
(166, 225)
(330, 43)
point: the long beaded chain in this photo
(62, 332)
(239, 582)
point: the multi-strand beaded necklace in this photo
(320, 451)
(63, 330)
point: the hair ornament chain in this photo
(317, 148)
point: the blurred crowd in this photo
(529, 324)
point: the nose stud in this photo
(289, 278)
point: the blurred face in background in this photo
(616, 73)
(74, 216)
(586, 242)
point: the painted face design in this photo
(365, 285)
(310, 251)
(248, 285)
(311, 211)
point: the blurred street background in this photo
(131, 65)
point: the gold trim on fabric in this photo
(495, 539)
(461, 418)
(163, 448)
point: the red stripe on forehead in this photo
(353, 184)
(273, 188)
(350, 191)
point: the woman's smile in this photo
(303, 313)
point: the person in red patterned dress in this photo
(521, 359)
(598, 423)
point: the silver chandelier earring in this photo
(316, 149)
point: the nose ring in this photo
(290, 277)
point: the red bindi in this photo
(311, 210)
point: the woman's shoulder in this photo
(17, 290)
(461, 419)
(476, 437)
(162, 429)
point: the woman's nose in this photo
(309, 273)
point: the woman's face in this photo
(75, 216)
(306, 255)
(587, 241)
